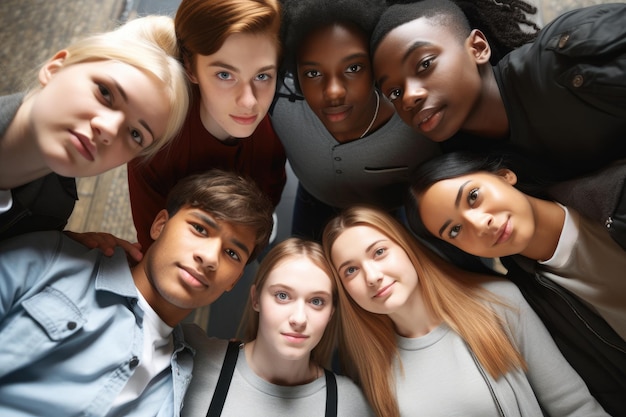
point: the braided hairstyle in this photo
(301, 17)
(502, 22)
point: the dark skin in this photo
(440, 84)
(338, 83)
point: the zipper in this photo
(555, 289)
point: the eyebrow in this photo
(344, 59)
(414, 46)
(234, 69)
(366, 250)
(213, 224)
(122, 93)
(457, 201)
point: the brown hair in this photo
(228, 197)
(290, 249)
(202, 26)
(451, 294)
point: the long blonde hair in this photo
(294, 248)
(367, 343)
(148, 44)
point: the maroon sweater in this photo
(260, 157)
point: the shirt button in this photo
(338, 171)
(337, 158)
(133, 362)
(71, 325)
(563, 40)
(577, 81)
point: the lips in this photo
(194, 278)
(428, 119)
(337, 113)
(244, 120)
(295, 337)
(383, 291)
(84, 146)
(504, 233)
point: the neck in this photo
(21, 160)
(549, 220)
(488, 118)
(279, 370)
(413, 319)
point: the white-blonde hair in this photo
(149, 44)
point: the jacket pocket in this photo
(55, 313)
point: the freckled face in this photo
(430, 75)
(375, 271)
(337, 82)
(480, 213)
(237, 84)
(91, 117)
(295, 305)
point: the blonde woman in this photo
(99, 103)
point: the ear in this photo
(52, 67)
(253, 298)
(158, 224)
(479, 46)
(507, 175)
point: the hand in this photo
(106, 242)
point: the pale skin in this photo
(293, 315)
(85, 119)
(485, 215)
(195, 258)
(378, 274)
(237, 84)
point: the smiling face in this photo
(337, 81)
(91, 117)
(375, 271)
(194, 259)
(431, 76)
(295, 305)
(480, 213)
(237, 84)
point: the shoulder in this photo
(351, 398)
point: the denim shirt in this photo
(71, 333)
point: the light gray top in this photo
(439, 376)
(372, 170)
(250, 395)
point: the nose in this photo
(372, 273)
(107, 125)
(481, 221)
(414, 94)
(297, 318)
(247, 97)
(334, 89)
(208, 254)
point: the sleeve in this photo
(351, 401)
(23, 261)
(147, 198)
(558, 388)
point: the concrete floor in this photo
(33, 30)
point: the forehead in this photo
(354, 241)
(300, 273)
(345, 39)
(243, 50)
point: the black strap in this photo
(331, 394)
(226, 375)
(223, 382)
